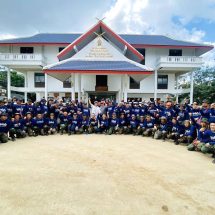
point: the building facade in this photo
(101, 63)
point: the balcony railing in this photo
(13, 58)
(180, 60)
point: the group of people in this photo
(192, 125)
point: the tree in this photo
(204, 85)
(17, 80)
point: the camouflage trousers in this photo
(3, 137)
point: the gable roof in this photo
(100, 29)
(133, 39)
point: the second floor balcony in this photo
(22, 61)
(179, 63)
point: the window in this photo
(162, 82)
(26, 50)
(175, 52)
(67, 83)
(101, 80)
(142, 51)
(39, 80)
(60, 49)
(134, 84)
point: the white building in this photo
(101, 63)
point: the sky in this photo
(191, 20)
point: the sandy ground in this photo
(98, 174)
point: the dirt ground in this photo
(98, 174)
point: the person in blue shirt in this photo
(182, 114)
(28, 121)
(140, 127)
(39, 125)
(3, 107)
(5, 125)
(209, 146)
(18, 108)
(149, 126)
(201, 129)
(84, 124)
(28, 108)
(205, 110)
(175, 130)
(65, 120)
(132, 126)
(113, 124)
(123, 124)
(167, 112)
(188, 135)
(38, 108)
(74, 125)
(110, 109)
(195, 112)
(93, 124)
(161, 129)
(51, 122)
(127, 110)
(86, 110)
(17, 127)
(103, 124)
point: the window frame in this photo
(39, 83)
(132, 86)
(164, 84)
(28, 50)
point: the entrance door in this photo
(101, 83)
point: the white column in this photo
(191, 87)
(46, 86)
(122, 89)
(8, 84)
(125, 88)
(38, 97)
(26, 87)
(155, 85)
(73, 86)
(177, 78)
(79, 87)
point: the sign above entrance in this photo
(99, 51)
(99, 48)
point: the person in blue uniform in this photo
(162, 129)
(123, 124)
(51, 122)
(28, 121)
(175, 130)
(17, 127)
(209, 146)
(5, 125)
(140, 127)
(74, 125)
(84, 124)
(39, 125)
(103, 124)
(3, 107)
(132, 126)
(201, 127)
(188, 135)
(113, 124)
(149, 126)
(93, 124)
(65, 120)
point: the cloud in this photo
(166, 17)
(7, 36)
